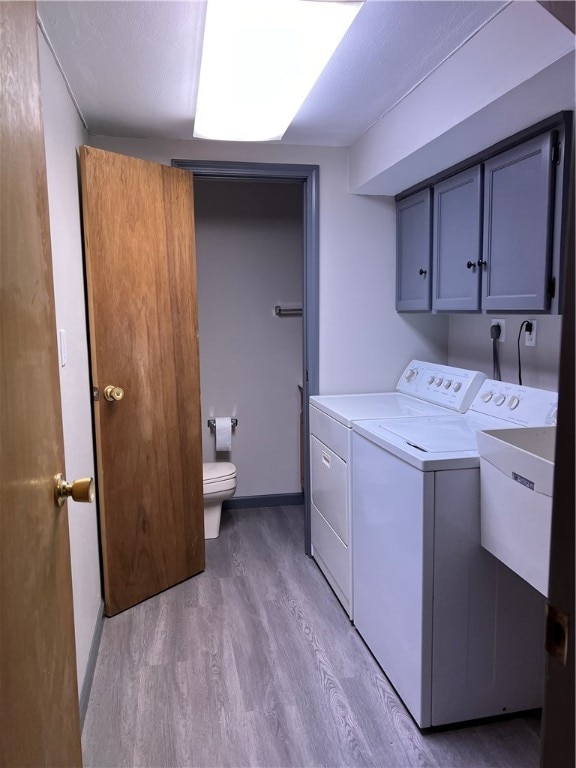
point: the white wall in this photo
(249, 259)
(517, 70)
(470, 346)
(63, 134)
(364, 343)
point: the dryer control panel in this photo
(446, 385)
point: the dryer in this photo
(459, 635)
(424, 389)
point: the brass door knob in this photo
(79, 490)
(112, 393)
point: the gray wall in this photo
(249, 257)
(470, 346)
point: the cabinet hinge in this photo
(556, 153)
(552, 287)
(95, 393)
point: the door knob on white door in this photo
(79, 490)
(112, 393)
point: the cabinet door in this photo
(457, 241)
(413, 252)
(518, 188)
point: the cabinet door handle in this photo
(471, 265)
(422, 272)
(482, 263)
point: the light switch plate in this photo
(62, 348)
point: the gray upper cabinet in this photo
(414, 252)
(518, 205)
(457, 242)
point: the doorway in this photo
(307, 178)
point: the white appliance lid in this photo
(420, 450)
(451, 433)
(375, 405)
(438, 435)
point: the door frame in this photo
(557, 735)
(309, 176)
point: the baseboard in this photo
(91, 665)
(279, 500)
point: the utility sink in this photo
(516, 483)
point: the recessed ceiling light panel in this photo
(260, 59)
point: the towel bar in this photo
(288, 311)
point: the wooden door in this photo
(141, 280)
(39, 713)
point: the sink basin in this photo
(516, 484)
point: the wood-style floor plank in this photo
(255, 664)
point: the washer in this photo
(423, 389)
(459, 635)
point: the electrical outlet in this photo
(502, 324)
(530, 338)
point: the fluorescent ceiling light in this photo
(260, 59)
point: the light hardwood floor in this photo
(254, 663)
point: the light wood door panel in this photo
(141, 279)
(39, 715)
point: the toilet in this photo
(219, 484)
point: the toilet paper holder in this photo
(212, 423)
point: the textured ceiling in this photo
(132, 67)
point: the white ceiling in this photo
(132, 67)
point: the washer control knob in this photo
(487, 396)
(513, 402)
(499, 399)
(430, 379)
(439, 381)
(457, 386)
(410, 373)
(447, 383)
